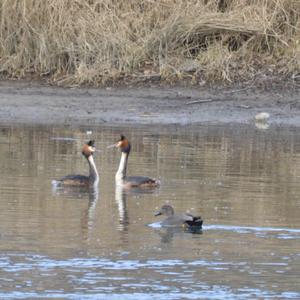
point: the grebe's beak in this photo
(117, 145)
(111, 146)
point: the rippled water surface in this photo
(106, 244)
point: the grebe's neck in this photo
(94, 176)
(121, 173)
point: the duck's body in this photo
(177, 220)
(131, 181)
(81, 180)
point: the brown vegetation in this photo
(103, 41)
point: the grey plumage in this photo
(183, 219)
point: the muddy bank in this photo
(34, 103)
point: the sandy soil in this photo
(35, 103)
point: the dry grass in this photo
(103, 41)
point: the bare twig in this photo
(199, 101)
(244, 106)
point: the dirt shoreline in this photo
(24, 102)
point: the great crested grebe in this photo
(80, 180)
(185, 220)
(131, 181)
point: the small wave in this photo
(284, 233)
(155, 225)
(243, 229)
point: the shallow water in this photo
(76, 244)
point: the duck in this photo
(178, 220)
(141, 182)
(92, 179)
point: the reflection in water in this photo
(93, 199)
(120, 196)
(90, 193)
(67, 244)
(168, 233)
(262, 125)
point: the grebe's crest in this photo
(89, 148)
(123, 144)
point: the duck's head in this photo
(166, 210)
(123, 144)
(88, 149)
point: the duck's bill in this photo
(157, 214)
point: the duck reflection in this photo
(167, 234)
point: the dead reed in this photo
(97, 42)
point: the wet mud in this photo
(36, 103)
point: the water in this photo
(105, 244)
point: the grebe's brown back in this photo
(131, 181)
(81, 180)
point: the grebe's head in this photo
(123, 144)
(165, 210)
(88, 148)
